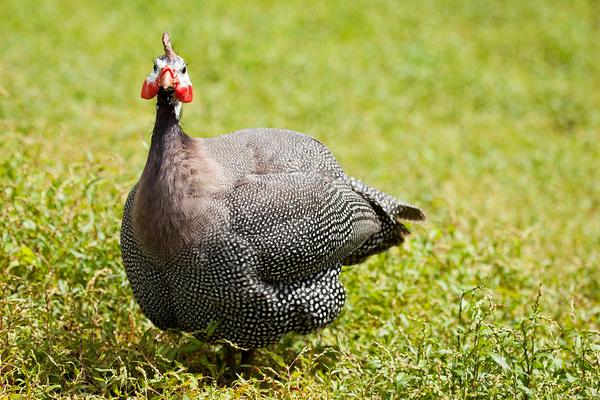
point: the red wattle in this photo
(184, 94)
(149, 90)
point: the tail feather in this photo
(408, 212)
(397, 209)
(390, 212)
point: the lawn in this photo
(485, 114)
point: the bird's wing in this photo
(298, 223)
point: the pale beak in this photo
(166, 80)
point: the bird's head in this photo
(169, 75)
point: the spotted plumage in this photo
(243, 236)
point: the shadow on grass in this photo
(182, 352)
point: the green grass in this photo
(486, 114)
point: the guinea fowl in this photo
(243, 236)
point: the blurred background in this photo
(484, 113)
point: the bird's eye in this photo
(184, 69)
(155, 67)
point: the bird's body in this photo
(243, 236)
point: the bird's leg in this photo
(230, 358)
(247, 357)
(244, 368)
(246, 361)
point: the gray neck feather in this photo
(160, 214)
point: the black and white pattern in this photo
(242, 237)
(291, 219)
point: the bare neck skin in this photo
(162, 210)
